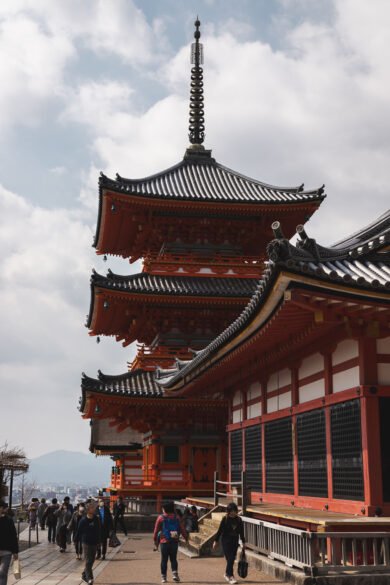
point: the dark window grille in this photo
(253, 460)
(236, 455)
(279, 457)
(347, 461)
(171, 454)
(384, 414)
(312, 466)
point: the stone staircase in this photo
(200, 543)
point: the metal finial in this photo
(196, 134)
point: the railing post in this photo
(216, 497)
(243, 492)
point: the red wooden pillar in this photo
(328, 382)
(370, 423)
(263, 411)
(294, 438)
(371, 447)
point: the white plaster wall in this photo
(272, 404)
(237, 415)
(383, 345)
(285, 400)
(384, 374)
(345, 380)
(272, 383)
(254, 391)
(171, 474)
(254, 410)
(312, 391)
(237, 398)
(279, 380)
(345, 350)
(311, 365)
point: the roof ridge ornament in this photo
(196, 127)
(196, 122)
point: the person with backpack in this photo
(50, 518)
(167, 532)
(230, 530)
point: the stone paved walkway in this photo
(134, 562)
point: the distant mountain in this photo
(70, 467)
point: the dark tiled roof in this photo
(203, 179)
(137, 384)
(364, 267)
(145, 283)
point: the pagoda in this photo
(201, 231)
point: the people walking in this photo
(50, 518)
(73, 525)
(230, 530)
(88, 533)
(166, 534)
(40, 513)
(64, 516)
(119, 515)
(8, 542)
(107, 526)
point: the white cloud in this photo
(315, 112)
(44, 297)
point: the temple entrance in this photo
(204, 463)
(384, 410)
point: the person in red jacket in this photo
(167, 532)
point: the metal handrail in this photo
(319, 552)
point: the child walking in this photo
(230, 530)
(167, 532)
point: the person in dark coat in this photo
(230, 531)
(107, 526)
(8, 542)
(77, 516)
(88, 532)
(119, 515)
(41, 510)
(64, 516)
(50, 518)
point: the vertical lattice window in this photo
(253, 461)
(312, 467)
(279, 457)
(236, 455)
(384, 415)
(347, 462)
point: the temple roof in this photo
(136, 384)
(201, 178)
(145, 283)
(361, 263)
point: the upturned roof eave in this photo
(282, 279)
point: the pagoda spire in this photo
(196, 127)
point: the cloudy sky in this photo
(295, 91)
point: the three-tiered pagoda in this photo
(201, 230)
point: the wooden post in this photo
(216, 497)
(11, 487)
